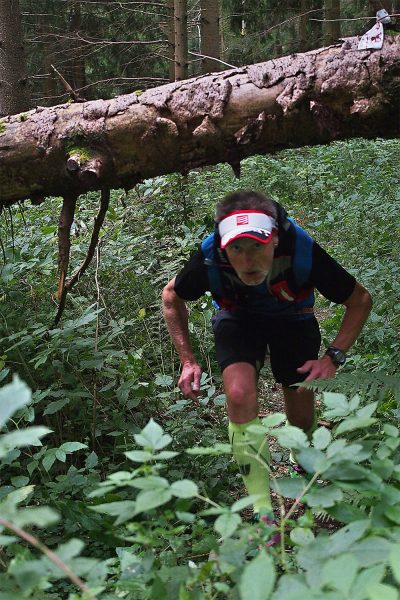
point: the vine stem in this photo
(50, 555)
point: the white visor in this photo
(250, 223)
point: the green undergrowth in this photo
(133, 486)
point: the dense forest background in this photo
(105, 48)
(114, 486)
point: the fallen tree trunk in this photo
(313, 98)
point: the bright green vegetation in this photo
(134, 487)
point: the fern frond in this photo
(373, 386)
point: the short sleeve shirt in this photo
(327, 276)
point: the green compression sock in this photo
(252, 456)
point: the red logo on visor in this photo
(242, 220)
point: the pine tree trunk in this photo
(313, 98)
(77, 75)
(171, 39)
(332, 24)
(181, 40)
(302, 26)
(210, 35)
(14, 88)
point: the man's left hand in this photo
(323, 368)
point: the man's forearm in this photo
(176, 318)
(358, 308)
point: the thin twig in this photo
(212, 58)
(28, 537)
(67, 86)
(98, 222)
(96, 345)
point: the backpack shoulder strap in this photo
(210, 260)
(302, 259)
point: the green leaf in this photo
(184, 489)
(139, 456)
(147, 500)
(342, 540)
(302, 536)
(243, 502)
(273, 420)
(226, 524)
(365, 580)
(380, 591)
(41, 516)
(91, 461)
(13, 396)
(394, 559)
(337, 405)
(165, 455)
(292, 437)
(393, 513)
(372, 551)
(53, 407)
(321, 438)
(163, 380)
(339, 573)
(19, 481)
(367, 410)
(69, 447)
(353, 423)
(70, 549)
(258, 578)
(313, 460)
(323, 497)
(288, 487)
(49, 459)
(152, 436)
(5, 540)
(60, 455)
(391, 430)
(215, 450)
(151, 482)
(124, 510)
(23, 437)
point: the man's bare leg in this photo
(299, 404)
(249, 449)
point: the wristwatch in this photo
(336, 355)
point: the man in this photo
(261, 269)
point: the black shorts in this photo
(244, 338)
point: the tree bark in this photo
(181, 39)
(326, 94)
(210, 35)
(14, 89)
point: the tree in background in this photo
(14, 88)
(104, 49)
(210, 36)
(181, 39)
(332, 23)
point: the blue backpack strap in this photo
(213, 269)
(302, 260)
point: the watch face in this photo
(338, 356)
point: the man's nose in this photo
(249, 258)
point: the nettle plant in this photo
(179, 543)
(30, 570)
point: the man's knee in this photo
(239, 396)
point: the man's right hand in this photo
(189, 381)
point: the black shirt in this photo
(327, 276)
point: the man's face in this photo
(251, 260)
